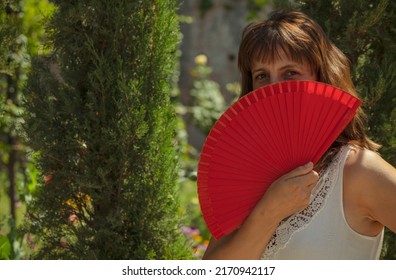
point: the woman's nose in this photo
(276, 79)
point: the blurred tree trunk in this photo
(20, 35)
(10, 70)
(12, 92)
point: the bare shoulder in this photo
(370, 187)
(367, 166)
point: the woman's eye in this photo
(261, 77)
(291, 74)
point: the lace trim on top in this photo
(301, 220)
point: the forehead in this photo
(279, 60)
(271, 54)
(277, 64)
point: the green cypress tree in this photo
(100, 118)
(364, 31)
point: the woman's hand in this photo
(290, 193)
(287, 195)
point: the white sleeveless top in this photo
(321, 232)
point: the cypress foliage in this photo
(100, 117)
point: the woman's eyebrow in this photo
(259, 69)
(291, 65)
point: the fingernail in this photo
(309, 164)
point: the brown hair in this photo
(303, 40)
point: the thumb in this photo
(301, 170)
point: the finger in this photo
(313, 177)
(304, 180)
(301, 170)
(311, 187)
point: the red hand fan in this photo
(262, 136)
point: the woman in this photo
(336, 209)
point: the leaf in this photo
(5, 248)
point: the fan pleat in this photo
(262, 129)
(280, 101)
(242, 152)
(272, 130)
(291, 102)
(262, 136)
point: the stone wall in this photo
(216, 33)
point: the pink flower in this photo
(30, 242)
(63, 244)
(73, 218)
(190, 231)
(47, 179)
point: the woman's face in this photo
(283, 69)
